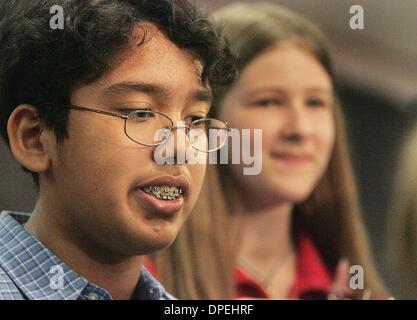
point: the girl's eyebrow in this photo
(320, 90)
(274, 90)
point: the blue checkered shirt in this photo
(28, 270)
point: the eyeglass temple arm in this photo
(70, 106)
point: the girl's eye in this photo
(269, 102)
(315, 103)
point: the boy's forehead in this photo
(151, 53)
(154, 65)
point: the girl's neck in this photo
(265, 232)
(266, 249)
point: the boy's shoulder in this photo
(8, 290)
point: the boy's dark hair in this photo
(40, 65)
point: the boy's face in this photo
(96, 173)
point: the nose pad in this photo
(180, 142)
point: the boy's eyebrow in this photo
(127, 87)
(203, 95)
(120, 88)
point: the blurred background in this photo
(376, 72)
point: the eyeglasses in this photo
(152, 128)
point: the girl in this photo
(290, 231)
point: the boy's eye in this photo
(191, 119)
(142, 115)
(127, 109)
(139, 115)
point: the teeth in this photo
(164, 192)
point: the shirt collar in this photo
(35, 270)
(313, 280)
(313, 277)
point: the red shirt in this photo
(313, 280)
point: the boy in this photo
(80, 107)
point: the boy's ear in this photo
(29, 138)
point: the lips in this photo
(166, 206)
(292, 157)
(180, 182)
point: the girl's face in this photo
(288, 94)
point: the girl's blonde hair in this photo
(200, 264)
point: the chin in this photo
(146, 238)
(160, 238)
(293, 194)
(152, 247)
(147, 246)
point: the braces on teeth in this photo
(164, 192)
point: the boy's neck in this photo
(117, 274)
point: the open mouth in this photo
(165, 195)
(164, 192)
(166, 188)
